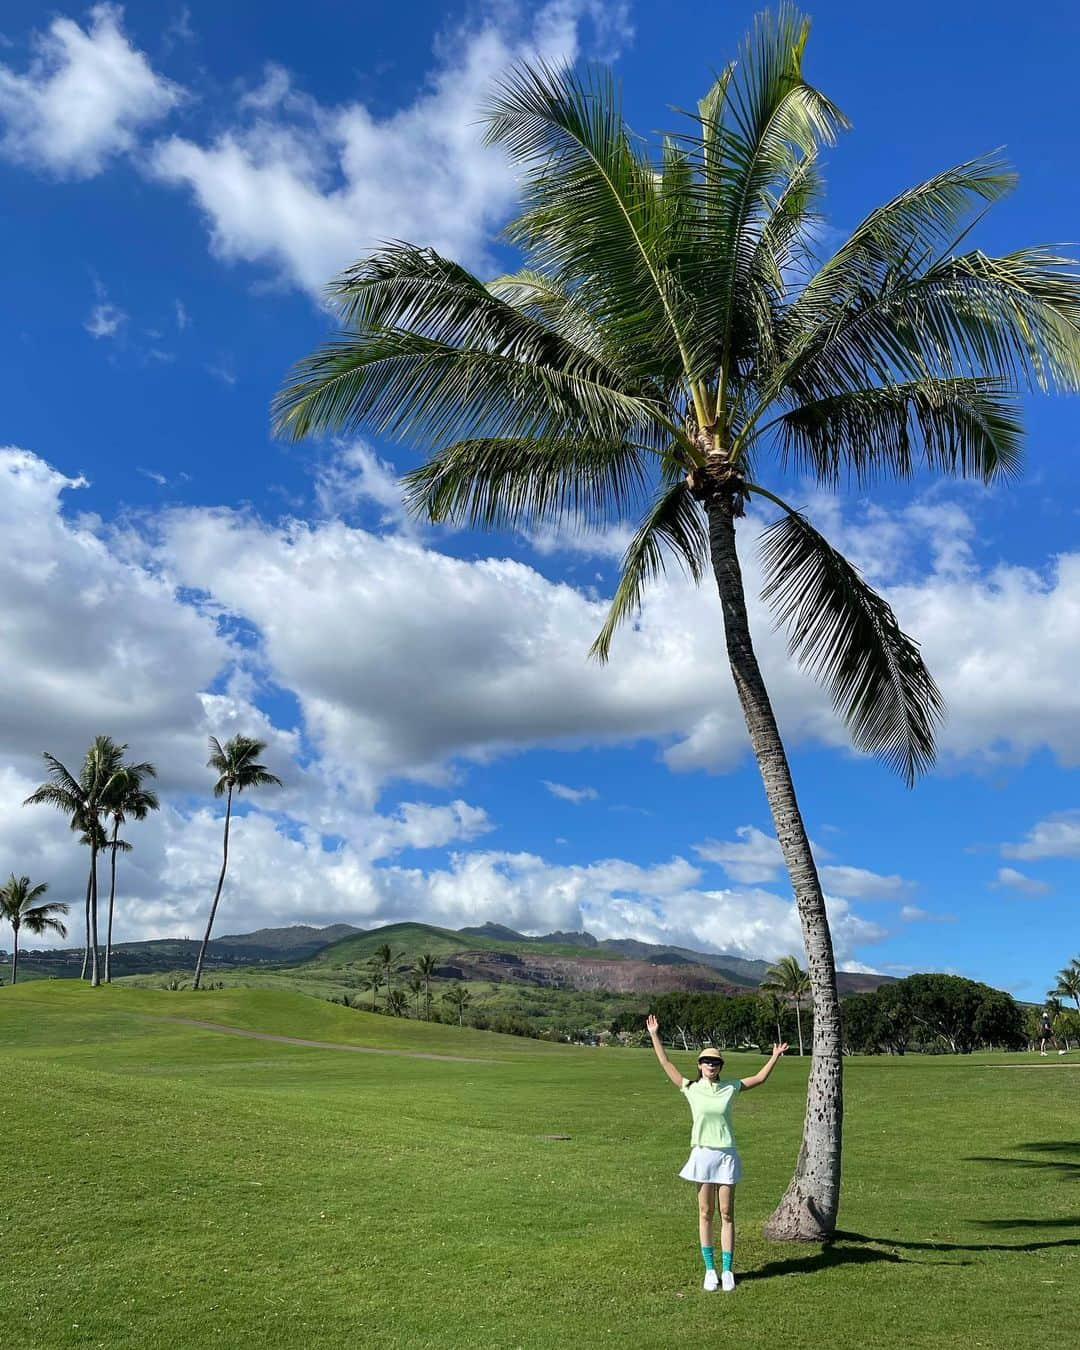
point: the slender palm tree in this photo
(237, 769)
(83, 800)
(672, 333)
(1068, 983)
(22, 906)
(128, 799)
(385, 959)
(426, 964)
(788, 980)
(458, 997)
(415, 987)
(397, 1003)
(366, 982)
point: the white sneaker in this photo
(727, 1282)
(711, 1280)
(1043, 1053)
(1061, 1052)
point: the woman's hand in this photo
(652, 1026)
(778, 1050)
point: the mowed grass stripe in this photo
(168, 1186)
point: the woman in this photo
(714, 1160)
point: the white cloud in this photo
(1058, 836)
(857, 883)
(571, 794)
(307, 189)
(96, 644)
(356, 474)
(913, 914)
(1008, 878)
(756, 857)
(105, 320)
(85, 97)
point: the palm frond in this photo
(964, 426)
(410, 386)
(514, 481)
(675, 526)
(847, 636)
(914, 226)
(592, 215)
(1014, 318)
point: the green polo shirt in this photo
(710, 1106)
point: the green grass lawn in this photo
(166, 1186)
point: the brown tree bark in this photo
(807, 1212)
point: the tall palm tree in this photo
(384, 959)
(83, 800)
(21, 906)
(788, 980)
(415, 987)
(671, 332)
(237, 769)
(458, 997)
(426, 964)
(1068, 983)
(128, 799)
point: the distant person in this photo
(714, 1160)
(1047, 1033)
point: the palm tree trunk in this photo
(807, 1212)
(14, 952)
(217, 893)
(95, 973)
(112, 902)
(798, 1023)
(86, 943)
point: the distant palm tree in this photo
(425, 967)
(397, 1003)
(83, 800)
(384, 960)
(1068, 983)
(788, 980)
(21, 906)
(366, 982)
(237, 769)
(128, 800)
(416, 988)
(458, 997)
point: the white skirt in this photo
(721, 1166)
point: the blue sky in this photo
(178, 182)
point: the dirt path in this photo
(323, 1045)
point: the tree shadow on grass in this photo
(1066, 1164)
(849, 1248)
(846, 1249)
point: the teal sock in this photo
(725, 1258)
(707, 1253)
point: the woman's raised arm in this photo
(653, 1028)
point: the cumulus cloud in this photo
(858, 883)
(755, 857)
(1058, 836)
(306, 189)
(84, 98)
(1008, 878)
(93, 643)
